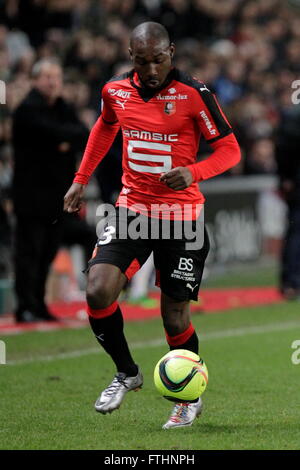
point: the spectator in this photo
(46, 137)
(261, 159)
(288, 148)
(230, 86)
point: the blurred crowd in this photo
(247, 51)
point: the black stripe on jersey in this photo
(215, 139)
(109, 122)
(116, 78)
(122, 76)
(209, 101)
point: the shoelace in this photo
(180, 411)
(115, 385)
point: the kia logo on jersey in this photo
(170, 108)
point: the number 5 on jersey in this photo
(165, 160)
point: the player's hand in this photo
(177, 178)
(73, 198)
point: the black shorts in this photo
(179, 265)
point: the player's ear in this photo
(172, 50)
(130, 53)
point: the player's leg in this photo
(179, 330)
(180, 334)
(105, 282)
(115, 261)
(180, 274)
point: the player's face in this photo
(152, 61)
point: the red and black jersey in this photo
(161, 130)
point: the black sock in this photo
(192, 344)
(109, 333)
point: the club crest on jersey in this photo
(170, 108)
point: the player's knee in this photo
(99, 296)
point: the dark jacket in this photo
(43, 173)
(288, 151)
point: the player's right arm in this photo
(99, 142)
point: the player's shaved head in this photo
(149, 32)
(151, 53)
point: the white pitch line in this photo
(234, 332)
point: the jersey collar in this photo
(147, 93)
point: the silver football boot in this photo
(112, 397)
(184, 414)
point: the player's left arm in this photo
(217, 131)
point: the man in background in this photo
(288, 148)
(47, 135)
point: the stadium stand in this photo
(247, 51)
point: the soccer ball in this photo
(181, 376)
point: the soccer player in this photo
(162, 113)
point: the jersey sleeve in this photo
(107, 112)
(217, 132)
(99, 142)
(209, 116)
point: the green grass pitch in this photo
(52, 379)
